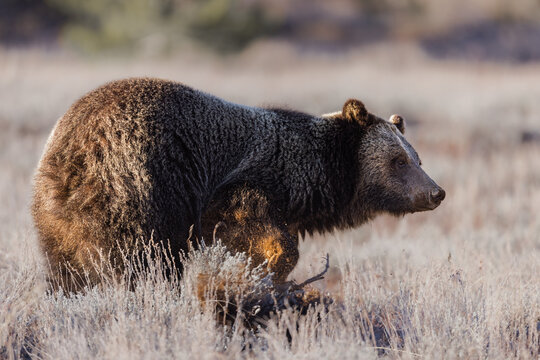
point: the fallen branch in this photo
(258, 308)
(317, 277)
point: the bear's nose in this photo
(437, 195)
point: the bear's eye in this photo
(400, 161)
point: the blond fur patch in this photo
(271, 248)
(332, 114)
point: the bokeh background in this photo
(475, 30)
(461, 281)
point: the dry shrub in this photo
(221, 280)
(21, 289)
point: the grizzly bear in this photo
(142, 159)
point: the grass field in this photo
(462, 281)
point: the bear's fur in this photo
(148, 158)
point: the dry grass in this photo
(459, 282)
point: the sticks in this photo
(317, 277)
(257, 309)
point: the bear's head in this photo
(390, 178)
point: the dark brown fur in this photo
(142, 158)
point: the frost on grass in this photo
(20, 291)
(229, 284)
(221, 279)
(437, 311)
(149, 312)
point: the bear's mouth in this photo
(427, 207)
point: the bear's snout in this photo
(428, 199)
(436, 196)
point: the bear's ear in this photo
(399, 122)
(354, 110)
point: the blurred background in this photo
(495, 30)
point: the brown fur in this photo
(75, 198)
(146, 158)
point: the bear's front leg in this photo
(245, 222)
(275, 246)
